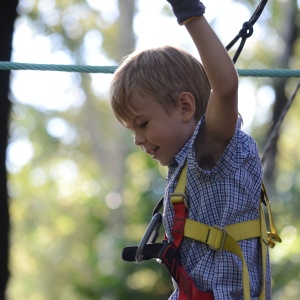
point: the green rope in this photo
(63, 68)
(110, 69)
(268, 73)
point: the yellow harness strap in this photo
(227, 238)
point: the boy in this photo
(182, 112)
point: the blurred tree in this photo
(285, 19)
(68, 198)
(8, 15)
(84, 191)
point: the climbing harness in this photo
(217, 238)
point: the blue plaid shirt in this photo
(227, 194)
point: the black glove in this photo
(187, 10)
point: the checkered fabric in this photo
(227, 194)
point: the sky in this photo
(61, 90)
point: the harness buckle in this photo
(150, 236)
(179, 198)
(224, 231)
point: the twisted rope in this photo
(110, 69)
(5, 65)
(269, 73)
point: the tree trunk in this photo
(126, 39)
(7, 19)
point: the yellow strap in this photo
(226, 239)
(239, 231)
(216, 238)
(264, 247)
(179, 194)
(180, 188)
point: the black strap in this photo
(150, 251)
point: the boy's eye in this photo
(144, 125)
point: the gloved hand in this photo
(187, 10)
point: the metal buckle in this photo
(150, 235)
(183, 195)
(223, 238)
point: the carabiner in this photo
(150, 235)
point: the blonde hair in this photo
(162, 73)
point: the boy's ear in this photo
(187, 106)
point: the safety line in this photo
(268, 73)
(53, 67)
(110, 69)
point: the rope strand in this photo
(7, 66)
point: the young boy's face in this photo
(159, 134)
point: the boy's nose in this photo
(139, 139)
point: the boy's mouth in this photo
(152, 152)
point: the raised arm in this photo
(222, 110)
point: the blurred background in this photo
(78, 189)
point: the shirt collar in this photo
(181, 156)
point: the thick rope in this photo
(284, 73)
(5, 65)
(110, 69)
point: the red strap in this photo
(170, 257)
(180, 214)
(188, 290)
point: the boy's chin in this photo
(163, 163)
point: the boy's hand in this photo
(187, 10)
